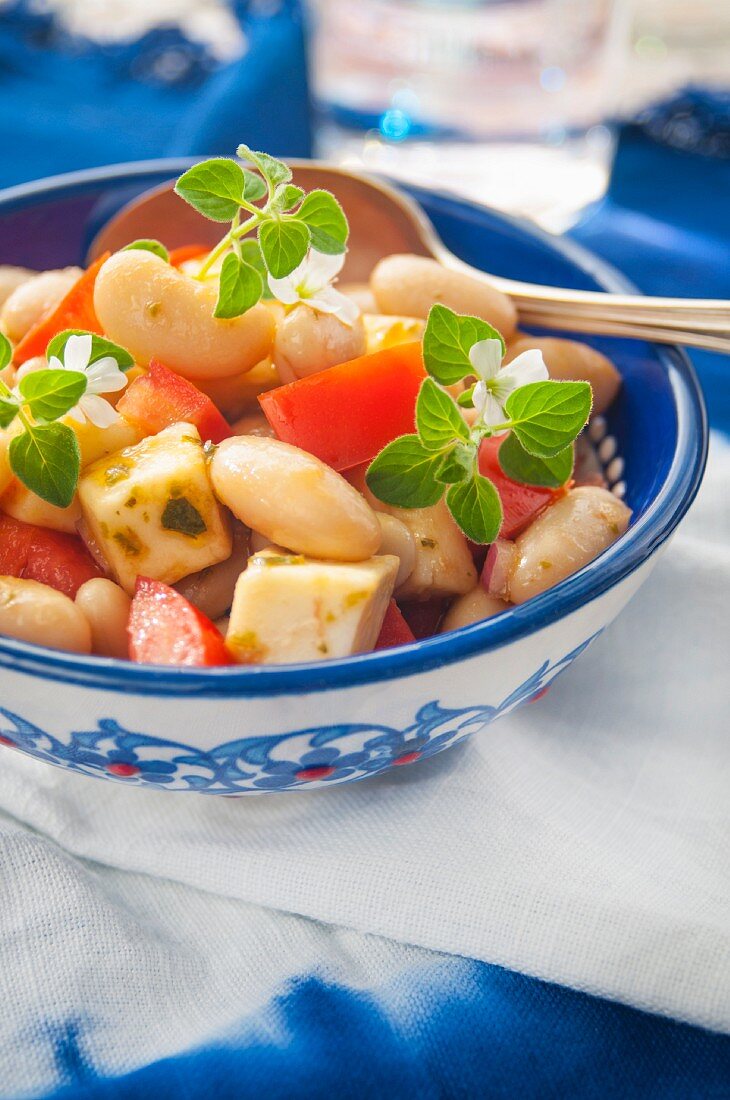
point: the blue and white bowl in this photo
(256, 729)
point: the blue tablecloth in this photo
(452, 1027)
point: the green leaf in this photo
(51, 393)
(326, 220)
(254, 187)
(8, 412)
(47, 459)
(465, 400)
(182, 516)
(274, 170)
(547, 416)
(529, 469)
(438, 420)
(214, 188)
(240, 287)
(149, 245)
(284, 245)
(251, 255)
(404, 474)
(6, 351)
(100, 348)
(476, 507)
(287, 195)
(447, 341)
(457, 464)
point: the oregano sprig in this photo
(539, 419)
(273, 224)
(44, 455)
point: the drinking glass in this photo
(504, 101)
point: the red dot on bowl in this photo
(309, 774)
(123, 770)
(406, 758)
(7, 741)
(539, 694)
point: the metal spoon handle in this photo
(695, 322)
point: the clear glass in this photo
(504, 101)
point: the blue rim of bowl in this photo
(638, 544)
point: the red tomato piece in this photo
(75, 310)
(423, 616)
(395, 630)
(185, 252)
(520, 503)
(166, 629)
(50, 557)
(160, 398)
(345, 415)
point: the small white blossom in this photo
(103, 376)
(311, 284)
(496, 382)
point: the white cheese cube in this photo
(289, 608)
(152, 510)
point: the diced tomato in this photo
(160, 398)
(185, 252)
(423, 616)
(345, 415)
(395, 630)
(165, 629)
(39, 554)
(520, 503)
(75, 310)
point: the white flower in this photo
(496, 382)
(103, 376)
(311, 284)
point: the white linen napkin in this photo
(583, 839)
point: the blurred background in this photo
(516, 103)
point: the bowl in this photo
(250, 730)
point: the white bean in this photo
(397, 540)
(153, 309)
(294, 499)
(11, 278)
(410, 285)
(34, 298)
(33, 612)
(570, 534)
(211, 590)
(106, 607)
(573, 361)
(472, 607)
(307, 342)
(444, 565)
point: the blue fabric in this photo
(456, 1028)
(666, 225)
(69, 104)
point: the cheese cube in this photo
(383, 331)
(6, 474)
(152, 511)
(289, 608)
(95, 442)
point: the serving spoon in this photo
(384, 220)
